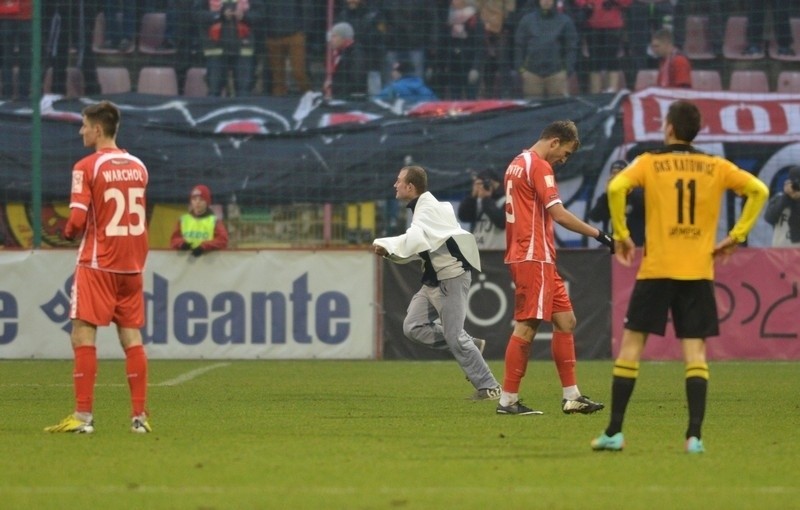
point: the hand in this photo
(725, 248)
(625, 251)
(606, 240)
(185, 246)
(198, 251)
(380, 250)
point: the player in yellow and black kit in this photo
(683, 190)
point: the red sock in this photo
(517, 352)
(563, 348)
(136, 368)
(84, 374)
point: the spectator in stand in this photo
(634, 208)
(674, 69)
(496, 16)
(783, 212)
(199, 230)
(604, 28)
(15, 47)
(65, 22)
(287, 23)
(463, 50)
(348, 78)
(369, 25)
(228, 42)
(411, 32)
(782, 12)
(120, 25)
(643, 19)
(485, 210)
(406, 85)
(546, 43)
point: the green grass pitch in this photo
(393, 435)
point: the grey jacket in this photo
(546, 43)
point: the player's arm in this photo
(76, 222)
(757, 194)
(618, 190)
(569, 221)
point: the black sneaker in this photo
(516, 408)
(581, 405)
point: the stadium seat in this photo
(773, 44)
(789, 82)
(646, 78)
(98, 38)
(114, 80)
(704, 79)
(162, 81)
(75, 83)
(697, 45)
(748, 81)
(151, 34)
(195, 84)
(735, 40)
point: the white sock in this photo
(506, 399)
(571, 392)
(84, 417)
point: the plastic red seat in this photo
(195, 84)
(789, 82)
(735, 40)
(697, 45)
(704, 79)
(748, 81)
(162, 81)
(152, 34)
(773, 44)
(98, 38)
(114, 80)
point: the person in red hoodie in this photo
(605, 23)
(15, 32)
(199, 230)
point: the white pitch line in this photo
(175, 381)
(191, 374)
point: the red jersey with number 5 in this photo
(110, 186)
(530, 189)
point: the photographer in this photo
(484, 209)
(783, 212)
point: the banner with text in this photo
(223, 305)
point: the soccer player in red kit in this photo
(107, 206)
(532, 204)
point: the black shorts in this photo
(692, 303)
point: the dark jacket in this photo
(545, 44)
(349, 74)
(775, 208)
(369, 25)
(287, 17)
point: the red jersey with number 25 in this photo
(530, 189)
(110, 185)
